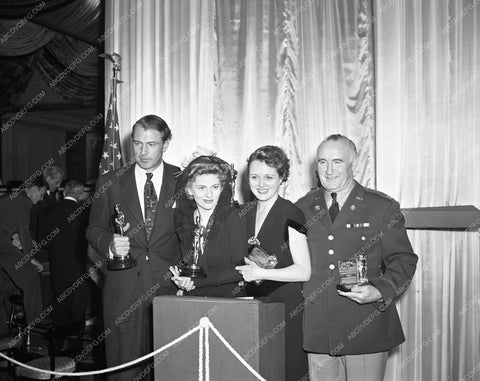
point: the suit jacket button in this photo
(331, 266)
(330, 237)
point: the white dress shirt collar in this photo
(341, 196)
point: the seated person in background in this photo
(205, 218)
(63, 232)
(7, 288)
(278, 226)
(17, 247)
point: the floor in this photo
(39, 348)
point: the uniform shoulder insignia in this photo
(378, 193)
(312, 192)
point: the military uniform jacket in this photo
(370, 223)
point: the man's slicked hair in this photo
(154, 122)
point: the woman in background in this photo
(206, 220)
(278, 227)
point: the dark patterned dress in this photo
(273, 237)
(224, 249)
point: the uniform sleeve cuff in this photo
(388, 295)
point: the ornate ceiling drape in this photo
(68, 65)
(25, 40)
(18, 8)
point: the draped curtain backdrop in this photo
(234, 75)
(428, 138)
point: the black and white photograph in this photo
(212, 190)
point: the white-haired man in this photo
(348, 333)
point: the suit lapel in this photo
(353, 205)
(130, 196)
(319, 208)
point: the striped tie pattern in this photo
(150, 200)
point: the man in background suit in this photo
(53, 177)
(348, 334)
(149, 238)
(63, 232)
(17, 252)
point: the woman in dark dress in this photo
(205, 217)
(278, 227)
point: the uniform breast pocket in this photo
(363, 239)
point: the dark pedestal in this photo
(250, 326)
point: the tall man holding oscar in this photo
(142, 194)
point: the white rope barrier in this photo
(106, 370)
(203, 323)
(203, 349)
(201, 345)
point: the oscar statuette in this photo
(193, 270)
(117, 262)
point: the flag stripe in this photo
(112, 151)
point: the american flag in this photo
(112, 150)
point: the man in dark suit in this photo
(144, 192)
(53, 177)
(348, 333)
(17, 253)
(62, 231)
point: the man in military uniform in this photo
(348, 332)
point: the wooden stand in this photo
(248, 325)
